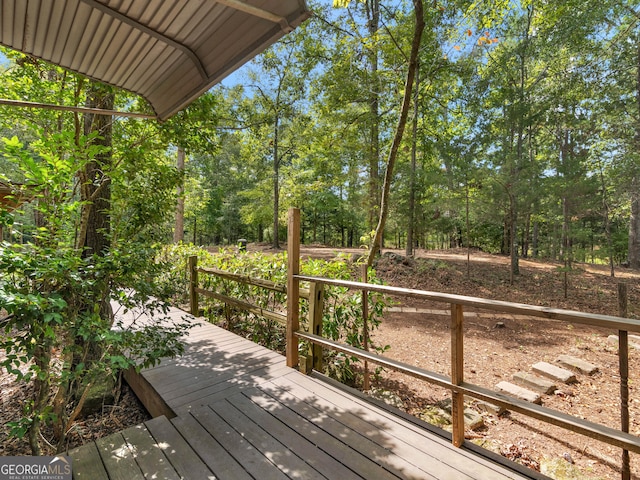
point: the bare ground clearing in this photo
(494, 354)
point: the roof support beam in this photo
(67, 108)
(149, 31)
(258, 12)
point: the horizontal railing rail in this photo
(246, 306)
(195, 291)
(603, 433)
(246, 279)
(592, 319)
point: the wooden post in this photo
(316, 307)
(457, 374)
(623, 359)
(365, 327)
(293, 286)
(193, 284)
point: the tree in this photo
(56, 288)
(278, 82)
(397, 139)
(178, 232)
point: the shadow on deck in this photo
(229, 409)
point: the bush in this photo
(59, 332)
(57, 337)
(342, 316)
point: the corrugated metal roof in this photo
(168, 51)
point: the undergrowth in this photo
(342, 321)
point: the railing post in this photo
(316, 306)
(365, 326)
(193, 285)
(457, 374)
(623, 359)
(293, 286)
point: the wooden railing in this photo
(195, 291)
(456, 383)
(315, 308)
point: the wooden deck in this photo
(231, 409)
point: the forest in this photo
(521, 133)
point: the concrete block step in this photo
(634, 341)
(554, 372)
(577, 364)
(519, 392)
(534, 382)
(490, 408)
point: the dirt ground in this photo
(126, 412)
(495, 348)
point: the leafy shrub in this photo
(59, 331)
(342, 316)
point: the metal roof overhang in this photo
(167, 51)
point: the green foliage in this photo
(52, 297)
(59, 332)
(342, 316)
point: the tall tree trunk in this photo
(373, 18)
(525, 236)
(634, 225)
(95, 192)
(565, 159)
(276, 181)
(513, 236)
(504, 244)
(94, 235)
(412, 181)
(467, 227)
(96, 184)
(178, 233)
(566, 234)
(634, 219)
(402, 121)
(565, 245)
(607, 224)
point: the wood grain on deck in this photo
(241, 413)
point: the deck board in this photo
(329, 438)
(118, 458)
(150, 458)
(239, 412)
(221, 462)
(374, 424)
(87, 464)
(291, 439)
(367, 437)
(182, 457)
(255, 462)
